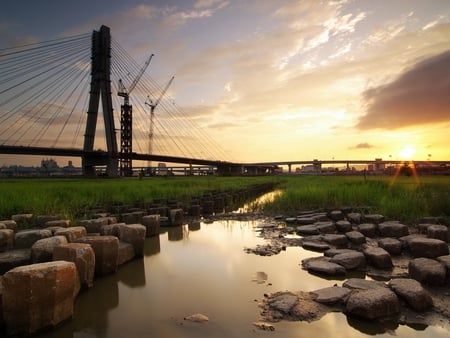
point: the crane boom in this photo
(164, 91)
(123, 90)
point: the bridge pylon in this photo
(100, 87)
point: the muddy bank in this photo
(379, 270)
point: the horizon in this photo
(280, 81)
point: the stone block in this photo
(106, 250)
(125, 254)
(338, 240)
(356, 237)
(23, 220)
(393, 229)
(14, 258)
(6, 239)
(132, 217)
(412, 292)
(373, 218)
(72, 233)
(428, 247)
(152, 224)
(110, 229)
(84, 258)
(93, 225)
(350, 260)
(25, 239)
(41, 220)
(438, 232)
(325, 227)
(10, 224)
(378, 257)
(135, 235)
(368, 229)
(391, 245)
(373, 304)
(63, 223)
(176, 217)
(343, 226)
(336, 215)
(38, 296)
(42, 250)
(427, 271)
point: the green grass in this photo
(70, 197)
(405, 198)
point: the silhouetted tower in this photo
(100, 86)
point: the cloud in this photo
(364, 145)
(418, 96)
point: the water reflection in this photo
(202, 268)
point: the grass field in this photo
(405, 199)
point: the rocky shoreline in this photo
(379, 270)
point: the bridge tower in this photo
(100, 87)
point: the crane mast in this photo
(152, 106)
(126, 122)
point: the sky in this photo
(281, 80)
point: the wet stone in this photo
(393, 229)
(363, 284)
(323, 267)
(368, 229)
(412, 292)
(315, 246)
(284, 302)
(391, 245)
(356, 237)
(378, 257)
(427, 271)
(350, 260)
(332, 295)
(333, 252)
(428, 247)
(337, 240)
(373, 304)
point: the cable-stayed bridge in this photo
(59, 98)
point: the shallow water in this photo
(202, 268)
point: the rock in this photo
(445, 260)
(14, 258)
(42, 250)
(354, 217)
(84, 258)
(93, 225)
(41, 220)
(284, 302)
(106, 249)
(356, 237)
(305, 220)
(333, 252)
(373, 304)
(378, 257)
(332, 295)
(336, 215)
(307, 230)
(422, 228)
(393, 229)
(406, 239)
(337, 240)
(152, 223)
(176, 217)
(438, 232)
(63, 223)
(350, 260)
(110, 229)
(325, 227)
(23, 220)
(26, 238)
(323, 267)
(135, 235)
(6, 239)
(363, 284)
(264, 326)
(368, 229)
(125, 253)
(10, 224)
(428, 247)
(72, 233)
(412, 292)
(38, 296)
(315, 246)
(343, 226)
(427, 271)
(373, 218)
(391, 245)
(197, 318)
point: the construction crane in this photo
(126, 122)
(152, 104)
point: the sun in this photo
(407, 152)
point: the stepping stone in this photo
(427, 271)
(284, 302)
(336, 215)
(26, 238)
(315, 246)
(391, 245)
(135, 235)
(42, 250)
(6, 239)
(393, 229)
(322, 267)
(125, 253)
(373, 218)
(363, 284)
(72, 233)
(428, 247)
(325, 227)
(333, 252)
(307, 230)
(438, 232)
(337, 240)
(350, 260)
(373, 304)
(378, 257)
(152, 223)
(412, 292)
(14, 258)
(332, 295)
(356, 237)
(354, 217)
(106, 249)
(368, 229)
(343, 226)
(305, 220)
